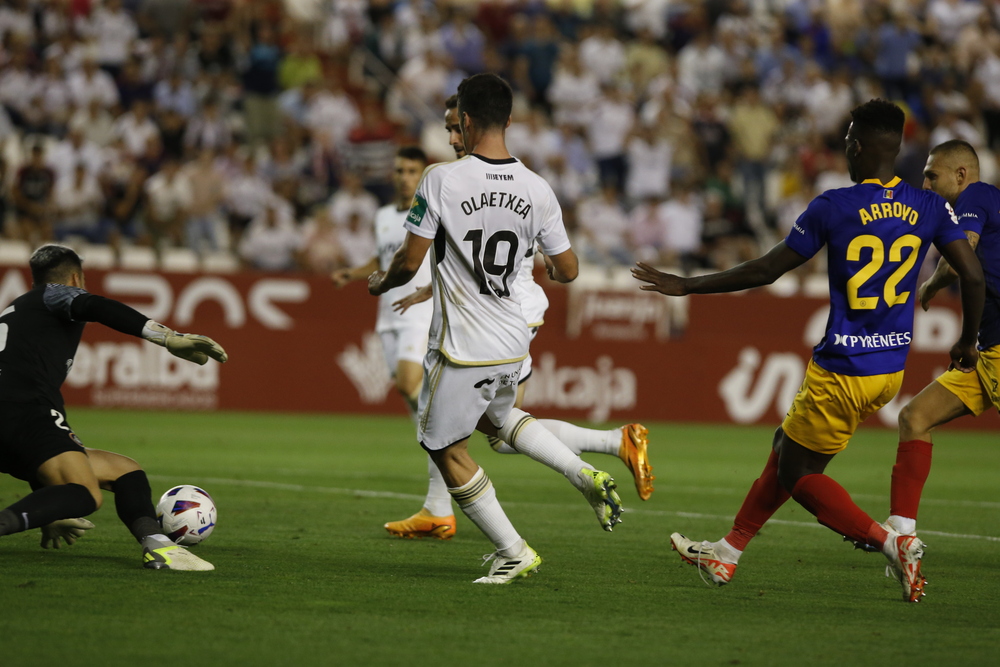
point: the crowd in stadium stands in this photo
(685, 133)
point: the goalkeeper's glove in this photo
(190, 347)
(65, 529)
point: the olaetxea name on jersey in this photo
(496, 200)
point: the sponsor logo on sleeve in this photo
(417, 211)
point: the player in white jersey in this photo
(629, 442)
(480, 213)
(404, 335)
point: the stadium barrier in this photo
(296, 343)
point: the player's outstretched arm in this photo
(83, 306)
(960, 255)
(943, 276)
(757, 272)
(422, 294)
(403, 267)
(342, 277)
(564, 267)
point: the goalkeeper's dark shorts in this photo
(30, 435)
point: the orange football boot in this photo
(423, 524)
(633, 453)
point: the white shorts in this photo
(409, 344)
(454, 398)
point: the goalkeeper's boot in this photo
(505, 570)
(599, 489)
(702, 555)
(423, 524)
(633, 452)
(905, 553)
(158, 554)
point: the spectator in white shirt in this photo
(16, 19)
(52, 89)
(602, 53)
(95, 123)
(136, 128)
(16, 85)
(648, 158)
(209, 129)
(350, 200)
(682, 219)
(330, 114)
(610, 124)
(573, 89)
(357, 241)
(175, 93)
(950, 126)
(603, 228)
(89, 83)
(113, 30)
(168, 201)
(245, 196)
(78, 201)
(533, 140)
(75, 150)
(272, 241)
(701, 65)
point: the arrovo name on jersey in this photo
(497, 200)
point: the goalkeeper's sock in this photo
(478, 501)
(134, 506)
(579, 439)
(765, 497)
(48, 504)
(438, 500)
(527, 436)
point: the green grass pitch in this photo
(306, 575)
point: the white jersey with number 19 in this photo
(483, 215)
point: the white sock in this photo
(478, 501)
(528, 437)
(499, 446)
(902, 524)
(726, 552)
(438, 500)
(580, 439)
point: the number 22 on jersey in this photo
(859, 301)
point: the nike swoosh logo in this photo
(693, 551)
(479, 385)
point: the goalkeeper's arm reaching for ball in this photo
(87, 307)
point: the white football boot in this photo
(505, 570)
(165, 555)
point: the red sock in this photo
(765, 497)
(833, 507)
(913, 464)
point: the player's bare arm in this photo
(419, 296)
(960, 255)
(756, 273)
(943, 276)
(563, 268)
(342, 277)
(405, 264)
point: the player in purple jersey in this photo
(952, 171)
(876, 233)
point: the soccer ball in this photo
(187, 514)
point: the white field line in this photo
(366, 493)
